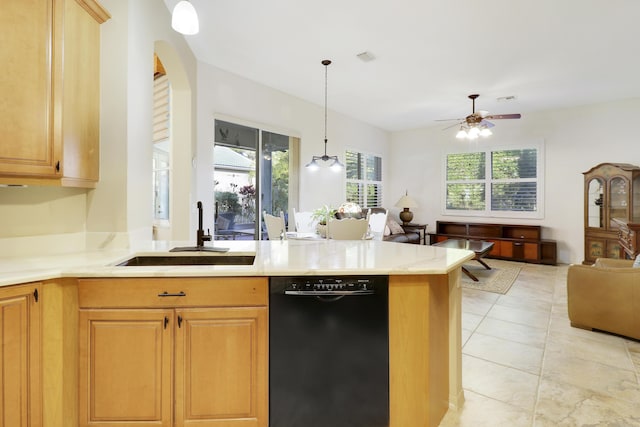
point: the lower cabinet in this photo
(174, 366)
(20, 356)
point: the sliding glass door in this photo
(254, 171)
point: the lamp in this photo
(313, 165)
(472, 132)
(184, 18)
(406, 202)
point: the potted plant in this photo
(322, 215)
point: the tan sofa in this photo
(605, 296)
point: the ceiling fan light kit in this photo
(476, 125)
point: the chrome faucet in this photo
(200, 236)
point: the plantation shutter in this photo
(161, 108)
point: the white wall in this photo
(575, 140)
(233, 98)
(122, 202)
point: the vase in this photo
(321, 229)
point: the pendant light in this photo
(184, 18)
(313, 164)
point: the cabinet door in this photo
(531, 251)
(20, 353)
(221, 367)
(27, 84)
(125, 368)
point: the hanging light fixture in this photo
(313, 164)
(184, 18)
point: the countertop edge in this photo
(411, 260)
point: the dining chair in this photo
(275, 226)
(304, 221)
(377, 222)
(348, 228)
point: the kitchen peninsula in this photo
(78, 295)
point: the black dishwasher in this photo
(329, 351)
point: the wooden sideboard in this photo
(511, 241)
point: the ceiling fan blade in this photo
(487, 123)
(503, 116)
(482, 113)
(453, 125)
(447, 120)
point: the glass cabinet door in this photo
(595, 203)
(618, 200)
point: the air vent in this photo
(366, 56)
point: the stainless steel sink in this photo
(158, 260)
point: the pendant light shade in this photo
(335, 165)
(185, 19)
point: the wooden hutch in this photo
(611, 211)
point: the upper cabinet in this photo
(611, 198)
(50, 81)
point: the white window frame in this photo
(365, 181)
(487, 212)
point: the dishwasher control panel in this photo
(329, 285)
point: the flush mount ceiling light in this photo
(313, 164)
(184, 18)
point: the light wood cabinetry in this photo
(611, 200)
(173, 352)
(50, 109)
(20, 356)
(513, 242)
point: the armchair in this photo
(605, 296)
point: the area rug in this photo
(499, 279)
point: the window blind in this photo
(364, 179)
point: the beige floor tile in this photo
(520, 356)
(481, 411)
(612, 353)
(524, 365)
(512, 300)
(566, 405)
(515, 332)
(536, 319)
(499, 382)
(471, 321)
(603, 379)
(561, 326)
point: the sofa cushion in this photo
(394, 227)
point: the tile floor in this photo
(524, 365)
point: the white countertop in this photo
(273, 258)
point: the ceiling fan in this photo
(477, 123)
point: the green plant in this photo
(323, 213)
(228, 202)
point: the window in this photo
(364, 179)
(496, 182)
(253, 172)
(161, 146)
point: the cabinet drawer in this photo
(173, 292)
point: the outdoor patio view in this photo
(245, 183)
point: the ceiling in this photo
(429, 54)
